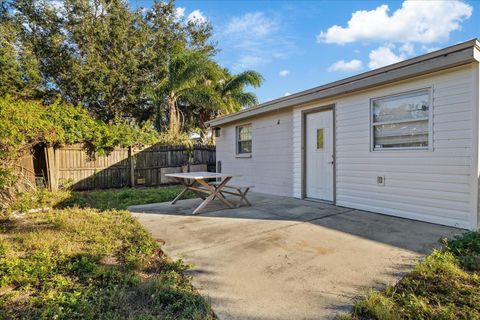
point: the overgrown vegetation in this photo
(24, 124)
(86, 263)
(118, 199)
(446, 285)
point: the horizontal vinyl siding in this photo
(270, 167)
(429, 185)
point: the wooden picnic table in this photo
(197, 182)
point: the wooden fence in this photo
(71, 166)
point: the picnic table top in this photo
(199, 175)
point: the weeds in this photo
(445, 285)
(118, 199)
(86, 263)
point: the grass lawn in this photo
(118, 199)
(446, 285)
(81, 260)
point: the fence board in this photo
(76, 169)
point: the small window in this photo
(320, 139)
(244, 139)
(401, 121)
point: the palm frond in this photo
(245, 99)
(241, 80)
(190, 68)
(201, 96)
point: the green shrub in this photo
(467, 250)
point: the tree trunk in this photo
(174, 124)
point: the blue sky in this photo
(297, 45)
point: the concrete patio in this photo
(285, 258)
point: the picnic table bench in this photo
(239, 191)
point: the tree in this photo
(188, 83)
(232, 90)
(19, 73)
(91, 53)
(117, 63)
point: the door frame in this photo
(329, 107)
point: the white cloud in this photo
(248, 61)
(196, 16)
(415, 21)
(253, 23)
(256, 40)
(179, 13)
(284, 73)
(383, 56)
(342, 65)
(287, 94)
(407, 48)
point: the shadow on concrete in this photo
(420, 237)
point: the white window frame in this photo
(430, 122)
(237, 139)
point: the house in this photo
(402, 140)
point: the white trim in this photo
(243, 155)
(429, 89)
(475, 218)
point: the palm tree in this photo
(232, 90)
(188, 82)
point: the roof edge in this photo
(437, 60)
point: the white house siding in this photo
(438, 185)
(270, 167)
(477, 116)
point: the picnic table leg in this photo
(187, 186)
(182, 181)
(243, 197)
(215, 192)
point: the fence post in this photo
(52, 169)
(132, 167)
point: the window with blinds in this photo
(401, 121)
(244, 139)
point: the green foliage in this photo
(118, 63)
(168, 138)
(186, 83)
(118, 199)
(19, 72)
(466, 249)
(377, 306)
(24, 124)
(232, 90)
(445, 285)
(84, 263)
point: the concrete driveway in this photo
(286, 258)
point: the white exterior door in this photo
(319, 155)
